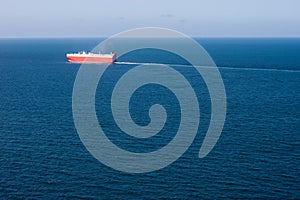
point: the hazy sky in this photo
(211, 18)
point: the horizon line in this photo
(96, 37)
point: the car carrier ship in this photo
(88, 57)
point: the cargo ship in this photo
(88, 57)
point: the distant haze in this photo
(92, 18)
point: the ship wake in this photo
(219, 67)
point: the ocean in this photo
(256, 156)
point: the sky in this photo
(197, 18)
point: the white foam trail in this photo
(231, 68)
(137, 63)
(260, 69)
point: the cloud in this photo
(167, 15)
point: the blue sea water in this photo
(257, 155)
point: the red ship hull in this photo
(92, 58)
